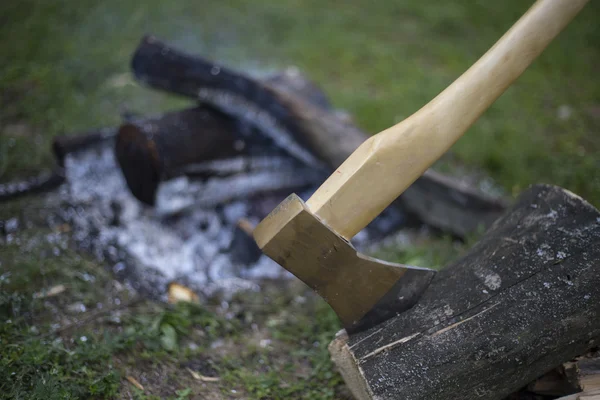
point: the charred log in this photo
(162, 67)
(521, 303)
(152, 150)
(38, 184)
(306, 129)
(64, 145)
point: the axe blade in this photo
(363, 291)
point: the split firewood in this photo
(308, 131)
(589, 395)
(522, 302)
(574, 379)
(584, 373)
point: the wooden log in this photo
(201, 142)
(523, 301)
(305, 129)
(151, 150)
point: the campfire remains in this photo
(174, 198)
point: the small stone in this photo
(564, 112)
(11, 226)
(118, 267)
(88, 277)
(78, 307)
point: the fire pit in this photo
(175, 197)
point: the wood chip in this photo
(593, 395)
(203, 378)
(64, 228)
(53, 291)
(135, 383)
(246, 226)
(178, 292)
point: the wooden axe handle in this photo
(386, 164)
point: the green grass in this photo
(67, 70)
(52, 350)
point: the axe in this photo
(312, 239)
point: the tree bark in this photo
(523, 301)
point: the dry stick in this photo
(46, 181)
(66, 144)
(41, 183)
(92, 317)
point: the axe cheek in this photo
(363, 291)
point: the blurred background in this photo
(65, 67)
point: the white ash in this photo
(191, 245)
(186, 238)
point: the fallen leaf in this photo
(64, 228)
(203, 378)
(119, 80)
(178, 292)
(246, 226)
(168, 337)
(135, 383)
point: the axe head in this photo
(362, 290)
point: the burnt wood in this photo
(65, 144)
(151, 150)
(43, 182)
(307, 127)
(202, 142)
(523, 301)
(162, 67)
